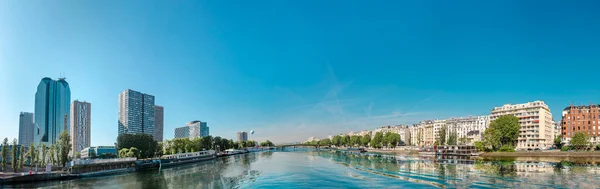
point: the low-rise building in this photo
(437, 126)
(98, 151)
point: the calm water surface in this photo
(326, 169)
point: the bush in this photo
(565, 148)
(507, 148)
(479, 146)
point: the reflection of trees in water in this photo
(212, 174)
(266, 155)
(464, 173)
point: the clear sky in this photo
(294, 69)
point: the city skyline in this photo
(307, 70)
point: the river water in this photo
(298, 168)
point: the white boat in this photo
(182, 158)
(233, 152)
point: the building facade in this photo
(585, 119)
(136, 113)
(437, 126)
(52, 109)
(81, 121)
(404, 133)
(468, 129)
(428, 135)
(242, 136)
(182, 132)
(535, 118)
(96, 151)
(26, 128)
(416, 134)
(159, 123)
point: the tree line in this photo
(40, 155)
(379, 140)
(144, 146)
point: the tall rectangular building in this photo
(158, 123)
(537, 125)
(242, 136)
(26, 128)
(581, 119)
(81, 125)
(52, 109)
(136, 113)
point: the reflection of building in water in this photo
(534, 168)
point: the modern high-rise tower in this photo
(136, 113)
(158, 123)
(52, 101)
(25, 128)
(81, 121)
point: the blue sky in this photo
(294, 69)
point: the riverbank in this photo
(554, 156)
(541, 154)
(395, 152)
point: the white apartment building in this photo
(437, 126)
(537, 125)
(471, 128)
(415, 131)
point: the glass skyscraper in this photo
(52, 109)
(26, 128)
(136, 113)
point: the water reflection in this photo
(302, 168)
(460, 172)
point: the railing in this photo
(99, 161)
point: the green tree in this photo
(504, 131)
(394, 139)
(4, 153)
(145, 143)
(133, 152)
(52, 155)
(442, 136)
(463, 140)
(325, 142)
(419, 137)
(558, 141)
(580, 140)
(377, 140)
(337, 140)
(385, 141)
(269, 143)
(65, 147)
(22, 157)
(365, 140)
(77, 155)
(31, 154)
(452, 138)
(123, 153)
(15, 159)
(354, 140)
(346, 140)
(43, 151)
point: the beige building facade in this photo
(535, 118)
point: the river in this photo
(301, 168)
